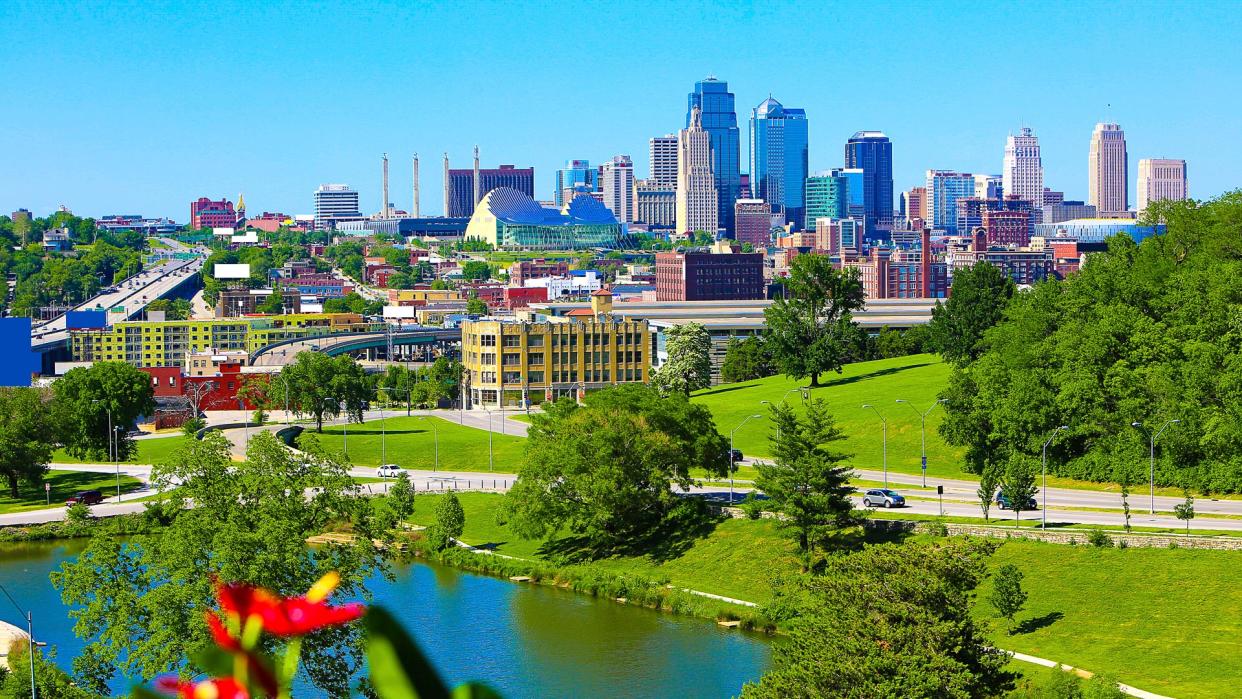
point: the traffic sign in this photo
(924, 463)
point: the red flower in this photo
(291, 616)
(215, 688)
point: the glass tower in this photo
(872, 152)
(714, 100)
(574, 173)
(827, 196)
(778, 158)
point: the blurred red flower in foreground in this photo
(286, 617)
(220, 688)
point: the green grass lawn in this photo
(150, 451)
(917, 378)
(411, 444)
(64, 484)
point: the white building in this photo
(578, 283)
(656, 203)
(1023, 173)
(617, 186)
(696, 185)
(1108, 171)
(1160, 179)
(335, 202)
(989, 186)
(664, 161)
(944, 188)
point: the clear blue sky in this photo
(131, 107)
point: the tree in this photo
(689, 364)
(988, 481)
(807, 482)
(450, 521)
(811, 329)
(1007, 594)
(25, 440)
(274, 303)
(50, 681)
(85, 396)
(139, 602)
(476, 270)
(977, 301)
(1125, 499)
(892, 620)
(746, 359)
(475, 306)
(317, 385)
(401, 496)
(1185, 510)
(1018, 484)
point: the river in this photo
(524, 640)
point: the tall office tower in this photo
(1024, 169)
(1160, 179)
(618, 187)
(575, 172)
(664, 161)
(715, 103)
(697, 199)
(335, 202)
(461, 185)
(753, 218)
(779, 158)
(989, 186)
(872, 152)
(916, 203)
(1108, 171)
(944, 188)
(827, 196)
(414, 209)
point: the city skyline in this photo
(85, 143)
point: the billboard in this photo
(222, 271)
(75, 320)
(17, 362)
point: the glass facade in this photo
(575, 172)
(872, 152)
(826, 197)
(507, 218)
(779, 158)
(719, 119)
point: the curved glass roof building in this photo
(507, 218)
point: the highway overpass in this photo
(282, 353)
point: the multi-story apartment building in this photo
(617, 185)
(1160, 179)
(1007, 228)
(916, 204)
(1022, 265)
(709, 276)
(664, 161)
(237, 302)
(523, 270)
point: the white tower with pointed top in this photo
(696, 184)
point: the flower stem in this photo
(290, 667)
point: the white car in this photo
(389, 471)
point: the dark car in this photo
(85, 497)
(1003, 502)
(735, 455)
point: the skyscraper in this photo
(944, 188)
(335, 202)
(872, 152)
(664, 161)
(1108, 170)
(827, 196)
(715, 102)
(779, 158)
(1023, 171)
(618, 188)
(574, 173)
(697, 199)
(1160, 179)
(460, 188)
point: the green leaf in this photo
(399, 670)
(474, 690)
(214, 661)
(144, 693)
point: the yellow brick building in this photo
(169, 343)
(534, 361)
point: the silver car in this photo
(880, 497)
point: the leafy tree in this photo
(139, 602)
(988, 480)
(191, 427)
(1125, 500)
(450, 521)
(689, 364)
(977, 302)
(274, 304)
(25, 437)
(476, 270)
(746, 359)
(50, 681)
(1018, 484)
(1185, 511)
(83, 399)
(317, 385)
(807, 483)
(811, 329)
(401, 497)
(1008, 597)
(476, 306)
(888, 621)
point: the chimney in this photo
(448, 186)
(476, 176)
(384, 212)
(414, 212)
(925, 264)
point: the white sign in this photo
(223, 271)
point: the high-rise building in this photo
(989, 186)
(1068, 211)
(205, 213)
(575, 172)
(872, 152)
(718, 118)
(335, 202)
(1108, 170)
(697, 199)
(1160, 179)
(1024, 169)
(664, 161)
(779, 158)
(944, 188)
(916, 204)
(617, 184)
(753, 222)
(462, 184)
(655, 203)
(827, 196)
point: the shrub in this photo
(752, 506)
(78, 513)
(937, 527)
(1099, 539)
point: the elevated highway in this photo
(281, 353)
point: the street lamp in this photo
(112, 451)
(285, 382)
(884, 432)
(1043, 488)
(923, 424)
(1152, 456)
(729, 456)
(436, 432)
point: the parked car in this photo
(1003, 502)
(85, 497)
(880, 497)
(389, 471)
(735, 455)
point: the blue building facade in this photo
(575, 172)
(779, 161)
(872, 152)
(719, 119)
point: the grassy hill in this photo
(917, 378)
(411, 444)
(148, 452)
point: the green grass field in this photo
(917, 378)
(64, 484)
(150, 451)
(411, 444)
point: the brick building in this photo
(205, 213)
(522, 270)
(709, 276)
(1005, 228)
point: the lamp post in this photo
(1151, 457)
(112, 450)
(491, 463)
(436, 431)
(285, 382)
(729, 456)
(923, 426)
(884, 432)
(1043, 488)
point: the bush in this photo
(193, 425)
(78, 513)
(752, 506)
(937, 527)
(1099, 539)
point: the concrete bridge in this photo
(368, 343)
